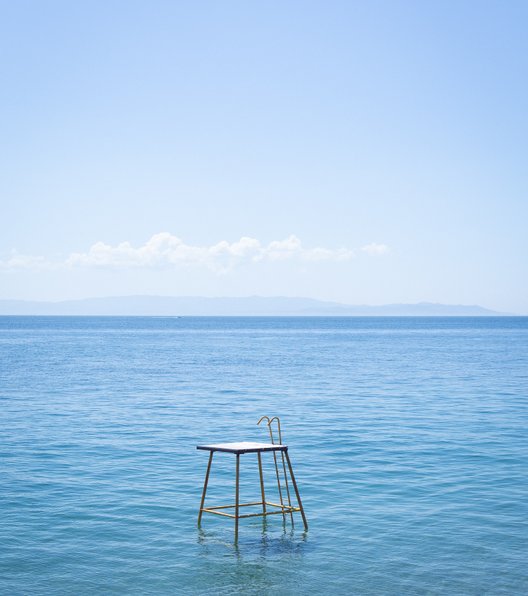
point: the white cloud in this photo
(166, 250)
(375, 249)
(163, 250)
(19, 261)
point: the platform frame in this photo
(239, 449)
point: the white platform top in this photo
(243, 447)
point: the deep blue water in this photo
(408, 437)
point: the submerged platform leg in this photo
(237, 495)
(296, 490)
(205, 487)
(262, 492)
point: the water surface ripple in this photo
(408, 437)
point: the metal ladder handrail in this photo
(270, 428)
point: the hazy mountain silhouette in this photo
(248, 306)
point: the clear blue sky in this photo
(389, 138)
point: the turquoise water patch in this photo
(408, 439)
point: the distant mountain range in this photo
(248, 306)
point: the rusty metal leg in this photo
(296, 490)
(262, 484)
(237, 494)
(205, 487)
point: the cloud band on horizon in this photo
(166, 250)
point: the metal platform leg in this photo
(262, 492)
(237, 494)
(287, 488)
(296, 490)
(205, 487)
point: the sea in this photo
(408, 438)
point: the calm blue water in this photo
(408, 438)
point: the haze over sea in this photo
(407, 435)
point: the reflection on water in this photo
(256, 563)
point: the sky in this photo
(362, 152)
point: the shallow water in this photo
(407, 435)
